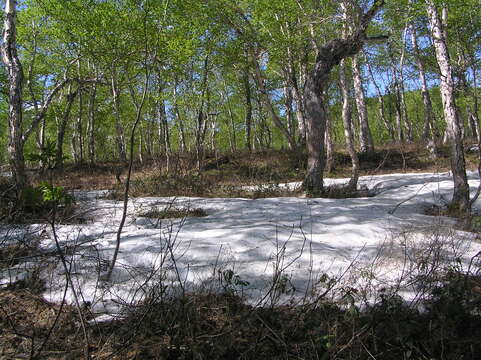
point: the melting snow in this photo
(369, 242)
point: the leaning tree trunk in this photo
(347, 122)
(15, 89)
(404, 109)
(328, 56)
(59, 157)
(461, 189)
(365, 137)
(267, 103)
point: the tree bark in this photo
(461, 189)
(15, 103)
(328, 56)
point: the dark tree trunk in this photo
(328, 56)
(248, 105)
(62, 126)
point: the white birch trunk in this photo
(365, 137)
(461, 188)
(15, 89)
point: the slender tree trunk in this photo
(166, 139)
(149, 141)
(428, 128)
(248, 105)
(365, 137)
(329, 143)
(120, 140)
(268, 103)
(398, 106)
(141, 145)
(461, 189)
(15, 88)
(79, 123)
(404, 109)
(202, 115)
(380, 99)
(62, 126)
(91, 124)
(288, 109)
(299, 98)
(347, 122)
(296, 97)
(231, 122)
(162, 122)
(180, 121)
(474, 114)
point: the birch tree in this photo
(15, 88)
(460, 198)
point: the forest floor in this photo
(221, 265)
(221, 174)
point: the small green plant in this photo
(44, 197)
(56, 195)
(46, 157)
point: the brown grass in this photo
(244, 168)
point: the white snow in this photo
(372, 243)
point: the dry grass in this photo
(224, 175)
(173, 213)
